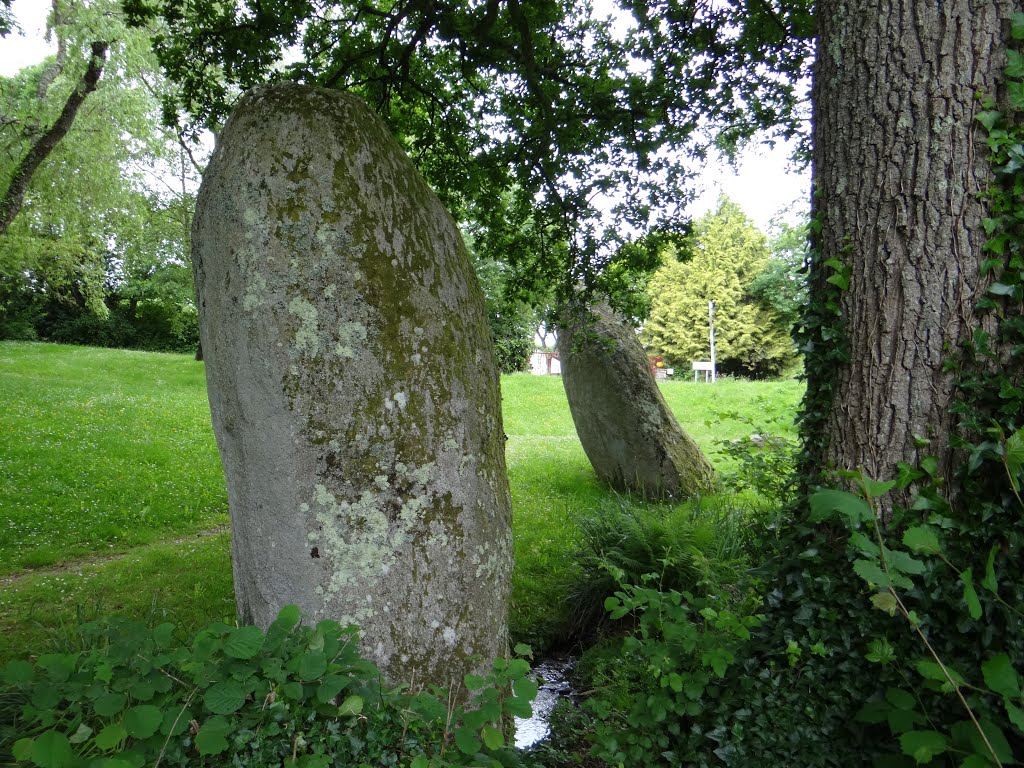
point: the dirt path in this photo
(76, 566)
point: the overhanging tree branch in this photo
(14, 196)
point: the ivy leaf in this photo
(244, 643)
(922, 539)
(1017, 25)
(970, 595)
(51, 749)
(841, 281)
(922, 745)
(1000, 676)
(1014, 64)
(212, 736)
(989, 118)
(225, 697)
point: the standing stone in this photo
(354, 395)
(628, 432)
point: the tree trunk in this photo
(898, 166)
(14, 195)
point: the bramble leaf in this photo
(1000, 676)
(923, 745)
(922, 539)
(970, 595)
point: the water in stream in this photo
(553, 676)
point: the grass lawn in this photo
(107, 452)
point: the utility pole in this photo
(711, 324)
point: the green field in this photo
(112, 498)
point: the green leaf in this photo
(930, 670)
(15, 672)
(212, 736)
(312, 665)
(922, 539)
(493, 738)
(922, 745)
(1014, 64)
(51, 749)
(826, 501)
(466, 741)
(885, 601)
(841, 281)
(989, 582)
(420, 762)
(519, 708)
(474, 682)
(970, 595)
(903, 562)
(522, 649)
(1014, 451)
(1017, 25)
(930, 464)
(163, 634)
(863, 544)
(109, 704)
(111, 736)
(81, 734)
(244, 643)
(22, 749)
(225, 697)
(1001, 289)
(1015, 714)
(330, 687)
(1000, 676)
(871, 573)
(142, 721)
(351, 706)
(526, 689)
(900, 699)
(876, 488)
(989, 118)
(293, 691)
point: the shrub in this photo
(295, 696)
(689, 546)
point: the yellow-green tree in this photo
(728, 253)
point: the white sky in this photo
(762, 184)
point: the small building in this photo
(545, 363)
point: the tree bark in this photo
(898, 165)
(14, 196)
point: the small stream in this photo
(553, 675)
